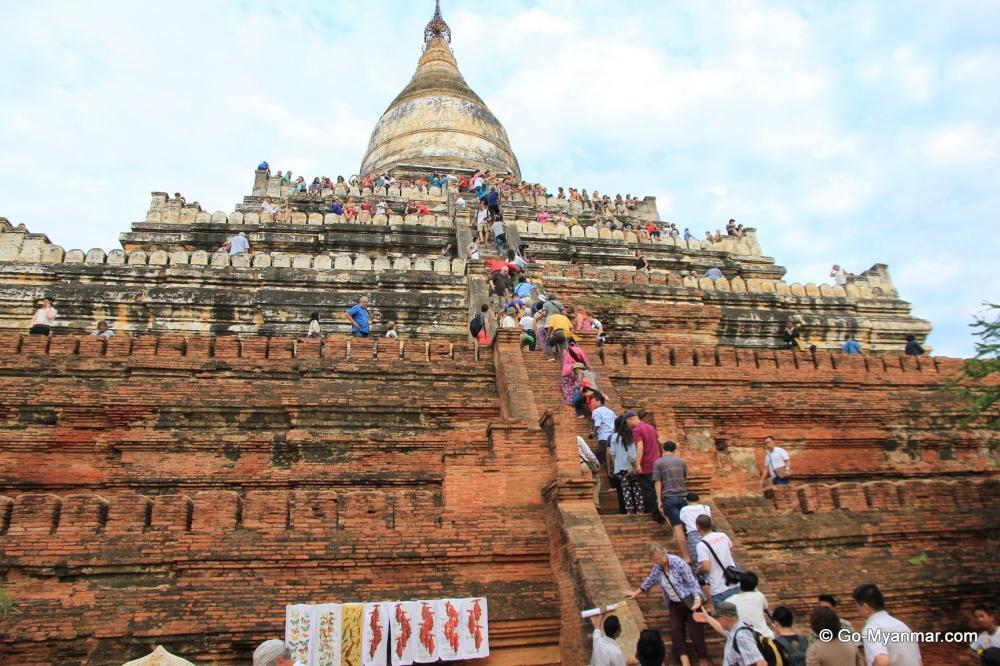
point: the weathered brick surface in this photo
(181, 492)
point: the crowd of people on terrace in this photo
(614, 213)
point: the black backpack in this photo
(774, 653)
(796, 647)
(476, 325)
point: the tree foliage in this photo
(979, 377)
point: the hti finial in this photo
(436, 27)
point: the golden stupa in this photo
(437, 122)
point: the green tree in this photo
(979, 377)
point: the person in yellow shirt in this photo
(559, 334)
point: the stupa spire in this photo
(436, 27)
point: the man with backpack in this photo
(741, 640)
(477, 327)
(795, 644)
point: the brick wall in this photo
(182, 491)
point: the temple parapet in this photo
(668, 307)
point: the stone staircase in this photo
(631, 536)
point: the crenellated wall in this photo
(181, 491)
(202, 292)
(930, 544)
(678, 307)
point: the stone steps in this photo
(631, 537)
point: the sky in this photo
(845, 132)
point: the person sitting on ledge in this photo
(264, 166)
(103, 331)
(178, 197)
(45, 316)
(315, 188)
(268, 208)
(793, 337)
(411, 208)
(300, 185)
(284, 214)
(380, 207)
(713, 273)
(731, 228)
(350, 211)
(423, 209)
(366, 207)
(708, 237)
(390, 331)
(541, 216)
(336, 207)
(913, 347)
(449, 251)
(272, 653)
(851, 347)
(314, 331)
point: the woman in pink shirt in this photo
(542, 217)
(44, 317)
(573, 359)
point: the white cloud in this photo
(959, 145)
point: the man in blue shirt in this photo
(851, 347)
(493, 203)
(336, 207)
(604, 426)
(264, 166)
(358, 316)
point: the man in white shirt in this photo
(473, 251)
(839, 275)
(689, 514)
(508, 320)
(775, 463)
(751, 604)
(878, 622)
(606, 651)
(989, 637)
(714, 555)
(460, 204)
(481, 215)
(588, 461)
(238, 244)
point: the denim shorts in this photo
(672, 505)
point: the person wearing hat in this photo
(508, 320)
(272, 653)
(741, 645)
(44, 317)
